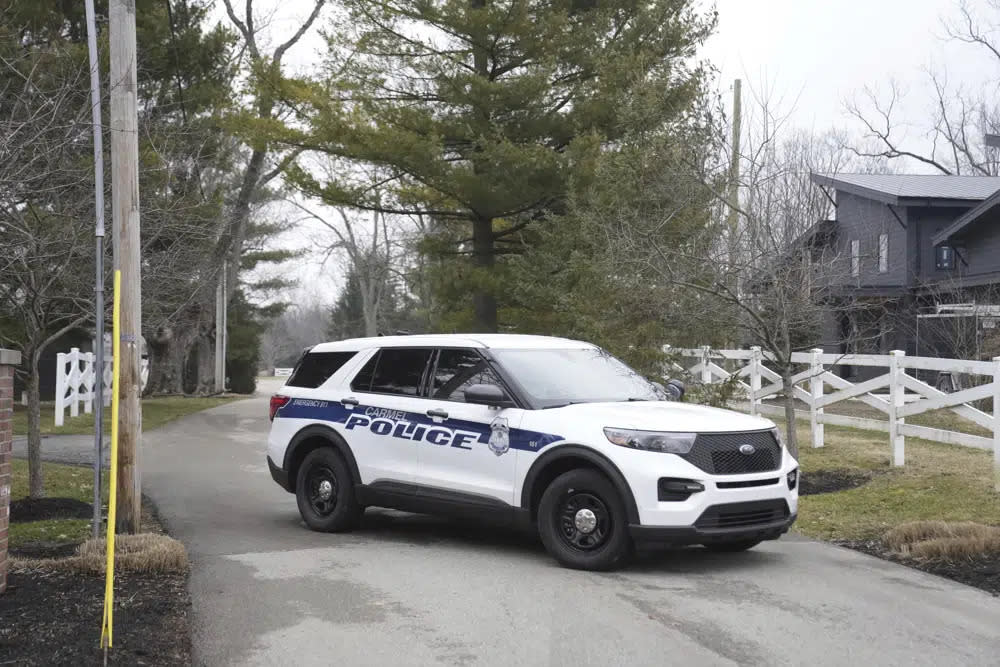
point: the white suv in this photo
(527, 431)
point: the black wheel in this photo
(582, 522)
(325, 492)
(731, 547)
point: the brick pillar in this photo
(8, 360)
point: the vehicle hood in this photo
(665, 416)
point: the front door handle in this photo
(437, 413)
(350, 400)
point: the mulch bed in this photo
(981, 572)
(54, 618)
(26, 509)
(829, 481)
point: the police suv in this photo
(527, 431)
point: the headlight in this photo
(652, 441)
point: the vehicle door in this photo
(468, 448)
(384, 409)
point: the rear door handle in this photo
(437, 413)
(350, 400)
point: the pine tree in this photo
(480, 113)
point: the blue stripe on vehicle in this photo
(409, 425)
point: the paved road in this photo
(73, 449)
(412, 590)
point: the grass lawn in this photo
(155, 413)
(61, 481)
(945, 482)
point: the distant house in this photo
(917, 257)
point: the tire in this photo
(339, 510)
(607, 544)
(731, 547)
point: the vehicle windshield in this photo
(554, 377)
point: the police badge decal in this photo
(499, 436)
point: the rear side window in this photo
(394, 370)
(317, 367)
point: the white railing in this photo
(895, 393)
(75, 382)
(282, 372)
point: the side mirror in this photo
(675, 390)
(486, 394)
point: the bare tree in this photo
(779, 274)
(961, 117)
(45, 207)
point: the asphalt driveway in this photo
(414, 590)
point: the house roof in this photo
(893, 188)
(988, 210)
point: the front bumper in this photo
(279, 475)
(681, 535)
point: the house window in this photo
(944, 257)
(883, 253)
(855, 257)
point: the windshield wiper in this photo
(561, 405)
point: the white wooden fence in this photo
(895, 393)
(75, 382)
(282, 372)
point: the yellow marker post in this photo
(109, 583)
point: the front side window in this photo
(944, 257)
(458, 369)
(317, 367)
(855, 257)
(393, 370)
(555, 377)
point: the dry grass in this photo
(942, 540)
(146, 552)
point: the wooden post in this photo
(125, 218)
(706, 372)
(996, 423)
(896, 395)
(816, 393)
(754, 379)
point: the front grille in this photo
(743, 515)
(719, 453)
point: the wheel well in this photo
(548, 474)
(310, 442)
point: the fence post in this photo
(74, 381)
(60, 387)
(996, 423)
(816, 393)
(896, 395)
(706, 372)
(87, 378)
(754, 378)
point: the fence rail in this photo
(75, 383)
(902, 395)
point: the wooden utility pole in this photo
(125, 219)
(734, 162)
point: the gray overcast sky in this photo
(812, 55)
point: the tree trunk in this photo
(483, 258)
(167, 351)
(791, 437)
(205, 349)
(36, 485)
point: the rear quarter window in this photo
(317, 367)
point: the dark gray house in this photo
(912, 263)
